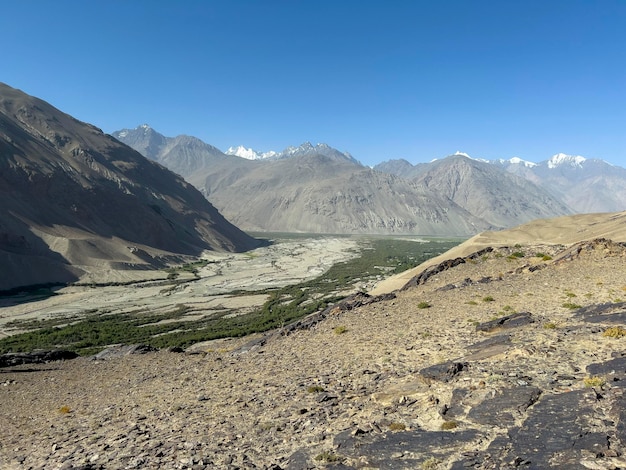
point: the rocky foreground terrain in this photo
(511, 357)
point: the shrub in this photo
(447, 425)
(594, 381)
(431, 463)
(423, 305)
(488, 298)
(328, 457)
(315, 389)
(516, 255)
(550, 326)
(397, 427)
(614, 332)
(339, 330)
(65, 409)
(571, 306)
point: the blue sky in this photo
(379, 79)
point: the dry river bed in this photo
(283, 263)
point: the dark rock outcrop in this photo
(35, 357)
(443, 266)
(443, 372)
(506, 322)
(614, 371)
(613, 312)
(404, 449)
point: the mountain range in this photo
(78, 201)
(584, 185)
(315, 188)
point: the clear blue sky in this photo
(379, 79)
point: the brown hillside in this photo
(77, 201)
(560, 230)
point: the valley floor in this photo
(283, 263)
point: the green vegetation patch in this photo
(594, 381)
(328, 457)
(614, 332)
(447, 425)
(571, 305)
(192, 268)
(397, 427)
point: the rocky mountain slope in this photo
(510, 357)
(77, 201)
(500, 198)
(316, 193)
(184, 155)
(320, 189)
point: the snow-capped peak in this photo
(563, 159)
(304, 149)
(463, 154)
(249, 153)
(519, 161)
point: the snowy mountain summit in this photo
(307, 148)
(250, 154)
(561, 159)
(516, 161)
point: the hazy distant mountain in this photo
(74, 199)
(318, 193)
(317, 188)
(585, 185)
(144, 139)
(183, 154)
(484, 190)
(400, 167)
